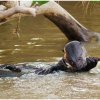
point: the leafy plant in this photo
(39, 2)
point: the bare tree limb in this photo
(72, 29)
(17, 9)
(65, 22)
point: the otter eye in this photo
(80, 58)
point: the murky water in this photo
(41, 41)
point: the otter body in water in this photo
(74, 60)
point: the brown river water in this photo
(41, 44)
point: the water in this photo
(40, 42)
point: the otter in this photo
(74, 60)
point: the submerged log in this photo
(72, 29)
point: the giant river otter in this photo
(74, 60)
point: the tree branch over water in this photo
(17, 9)
(72, 29)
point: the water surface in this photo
(40, 42)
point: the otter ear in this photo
(62, 50)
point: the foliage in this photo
(40, 2)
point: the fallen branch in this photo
(65, 22)
(17, 9)
(60, 17)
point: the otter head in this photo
(75, 54)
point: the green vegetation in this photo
(40, 2)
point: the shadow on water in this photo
(41, 42)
